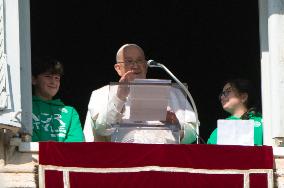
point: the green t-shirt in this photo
(258, 135)
(53, 121)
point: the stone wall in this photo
(279, 172)
(17, 169)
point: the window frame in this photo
(271, 27)
(17, 49)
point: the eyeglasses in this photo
(131, 63)
(225, 93)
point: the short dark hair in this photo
(46, 64)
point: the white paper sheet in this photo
(235, 132)
(149, 102)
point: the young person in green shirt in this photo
(52, 120)
(237, 98)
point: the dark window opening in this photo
(202, 42)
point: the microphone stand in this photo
(188, 94)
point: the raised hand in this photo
(123, 89)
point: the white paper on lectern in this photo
(149, 102)
(235, 132)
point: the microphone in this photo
(152, 63)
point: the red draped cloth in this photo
(126, 165)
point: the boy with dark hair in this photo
(52, 120)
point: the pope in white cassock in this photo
(109, 105)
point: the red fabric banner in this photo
(167, 161)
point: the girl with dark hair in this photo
(238, 99)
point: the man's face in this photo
(46, 85)
(132, 59)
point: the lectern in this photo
(154, 112)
